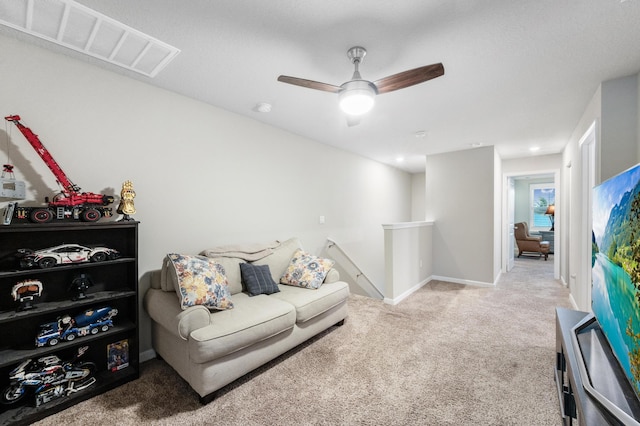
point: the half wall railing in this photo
(345, 264)
(408, 257)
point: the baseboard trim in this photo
(396, 300)
(147, 355)
(407, 293)
(495, 282)
(573, 302)
(564, 283)
(465, 282)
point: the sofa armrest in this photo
(164, 308)
(155, 277)
(332, 276)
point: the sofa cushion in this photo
(257, 279)
(280, 258)
(201, 281)
(306, 270)
(232, 270)
(309, 304)
(252, 320)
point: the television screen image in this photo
(615, 264)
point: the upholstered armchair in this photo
(529, 243)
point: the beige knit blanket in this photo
(248, 252)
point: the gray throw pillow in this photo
(257, 279)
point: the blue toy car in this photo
(67, 328)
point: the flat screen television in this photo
(615, 291)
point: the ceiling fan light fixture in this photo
(357, 97)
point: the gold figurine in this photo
(126, 206)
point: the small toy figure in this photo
(126, 206)
(79, 285)
(24, 292)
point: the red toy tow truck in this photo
(70, 203)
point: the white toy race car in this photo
(65, 254)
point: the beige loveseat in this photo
(212, 348)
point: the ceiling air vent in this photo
(84, 30)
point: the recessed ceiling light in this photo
(420, 134)
(476, 144)
(262, 107)
(399, 159)
(534, 149)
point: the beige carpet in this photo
(447, 355)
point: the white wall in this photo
(460, 200)
(203, 176)
(534, 164)
(619, 129)
(571, 263)
(614, 109)
(497, 217)
(638, 117)
(417, 197)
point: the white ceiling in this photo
(517, 73)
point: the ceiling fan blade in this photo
(409, 78)
(310, 84)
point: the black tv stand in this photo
(577, 406)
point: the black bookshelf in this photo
(114, 284)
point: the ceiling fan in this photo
(357, 96)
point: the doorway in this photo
(521, 204)
(587, 146)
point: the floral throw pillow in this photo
(306, 270)
(201, 281)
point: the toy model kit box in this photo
(118, 355)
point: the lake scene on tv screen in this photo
(616, 267)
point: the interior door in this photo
(511, 208)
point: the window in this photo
(542, 195)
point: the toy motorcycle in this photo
(49, 377)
